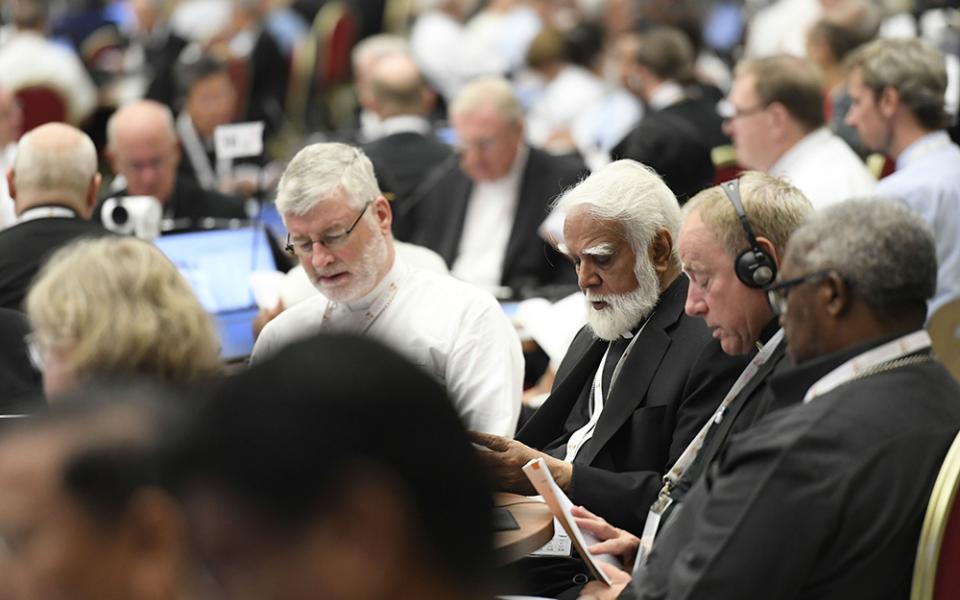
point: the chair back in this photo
(41, 104)
(944, 328)
(936, 570)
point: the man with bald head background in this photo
(142, 147)
(408, 149)
(54, 184)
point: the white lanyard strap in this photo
(580, 437)
(690, 453)
(855, 367)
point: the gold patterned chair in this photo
(936, 571)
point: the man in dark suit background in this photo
(681, 126)
(637, 382)
(142, 147)
(482, 214)
(54, 183)
(408, 150)
(826, 499)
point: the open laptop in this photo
(218, 263)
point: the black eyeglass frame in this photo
(778, 292)
(335, 241)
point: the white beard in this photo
(624, 311)
(363, 275)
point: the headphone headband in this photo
(754, 266)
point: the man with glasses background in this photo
(339, 226)
(775, 116)
(142, 147)
(825, 499)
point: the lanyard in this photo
(690, 453)
(198, 156)
(857, 366)
(580, 437)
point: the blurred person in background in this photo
(82, 515)
(54, 183)
(117, 306)
(11, 124)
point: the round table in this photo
(536, 527)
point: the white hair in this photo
(489, 91)
(631, 194)
(320, 172)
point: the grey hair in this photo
(66, 167)
(881, 248)
(319, 172)
(489, 91)
(139, 106)
(774, 208)
(378, 46)
(632, 194)
(914, 68)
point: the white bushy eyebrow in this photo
(604, 249)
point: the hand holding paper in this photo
(538, 474)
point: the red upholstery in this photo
(336, 31)
(41, 104)
(936, 572)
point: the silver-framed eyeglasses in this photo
(728, 111)
(304, 247)
(777, 292)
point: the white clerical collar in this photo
(394, 276)
(404, 124)
(923, 145)
(813, 139)
(46, 212)
(667, 94)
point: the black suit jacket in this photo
(822, 500)
(669, 386)
(191, 203)
(19, 382)
(438, 215)
(669, 144)
(402, 161)
(25, 246)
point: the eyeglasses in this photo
(728, 111)
(777, 292)
(304, 248)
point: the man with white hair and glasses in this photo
(638, 381)
(339, 226)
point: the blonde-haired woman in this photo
(116, 306)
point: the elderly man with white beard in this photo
(637, 382)
(339, 229)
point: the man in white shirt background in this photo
(775, 117)
(339, 226)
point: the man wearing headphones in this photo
(731, 244)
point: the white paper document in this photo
(539, 475)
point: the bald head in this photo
(142, 146)
(55, 164)
(398, 88)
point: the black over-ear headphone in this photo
(754, 266)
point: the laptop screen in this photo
(218, 263)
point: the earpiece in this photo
(754, 266)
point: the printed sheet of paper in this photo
(538, 474)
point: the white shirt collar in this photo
(404, 124)
(927, 143)
(667, 94)
(46, 212)
(803, 147)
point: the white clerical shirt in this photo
(450, 329)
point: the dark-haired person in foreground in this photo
(81, 513)
(825, 499)
(323, 492)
